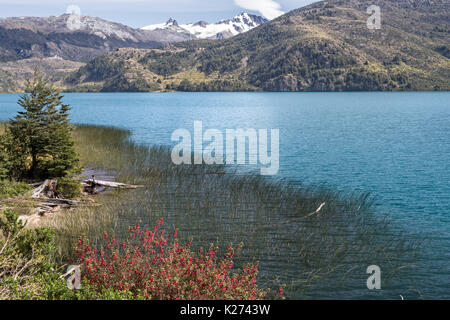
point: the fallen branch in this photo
(36, 193)
(48, 202)
(36, 184)
(317, 211)
(94, 182)
(64, 201)
(47, 188)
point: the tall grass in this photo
(2, 127)
(324, 255)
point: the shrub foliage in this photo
(153, 265)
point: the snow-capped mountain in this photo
(222, 29)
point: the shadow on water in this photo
(319, 255)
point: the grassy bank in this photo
(315, 255)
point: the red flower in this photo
(172, 272)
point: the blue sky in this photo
(138, 13)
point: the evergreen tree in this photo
(60, 145)
(41, 144)
(5, 165)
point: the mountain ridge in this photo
(325, 46)
(225, 28)
(76, 38)
(58, 44)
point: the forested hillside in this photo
(324, 46)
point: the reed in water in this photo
(317, 241)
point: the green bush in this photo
(12, 189)
(69, 187)
(27, 270)
(25, 265)
(5, 164)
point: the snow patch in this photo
(203, 30)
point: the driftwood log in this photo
(94, 186)
(61, 201)
(112, 184)
(317, 211)
(46, 189)
(36, 184)
(50, 202)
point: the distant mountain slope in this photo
(14, 73)
(220, 30)
(76, 40)
(56, 45)
(324, 46)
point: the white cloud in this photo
(268, 8)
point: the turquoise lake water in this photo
(393, 145)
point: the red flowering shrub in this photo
(150, 265)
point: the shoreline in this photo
(227, 209)
(256, 91)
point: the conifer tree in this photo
(5, 165)
(41, 144)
